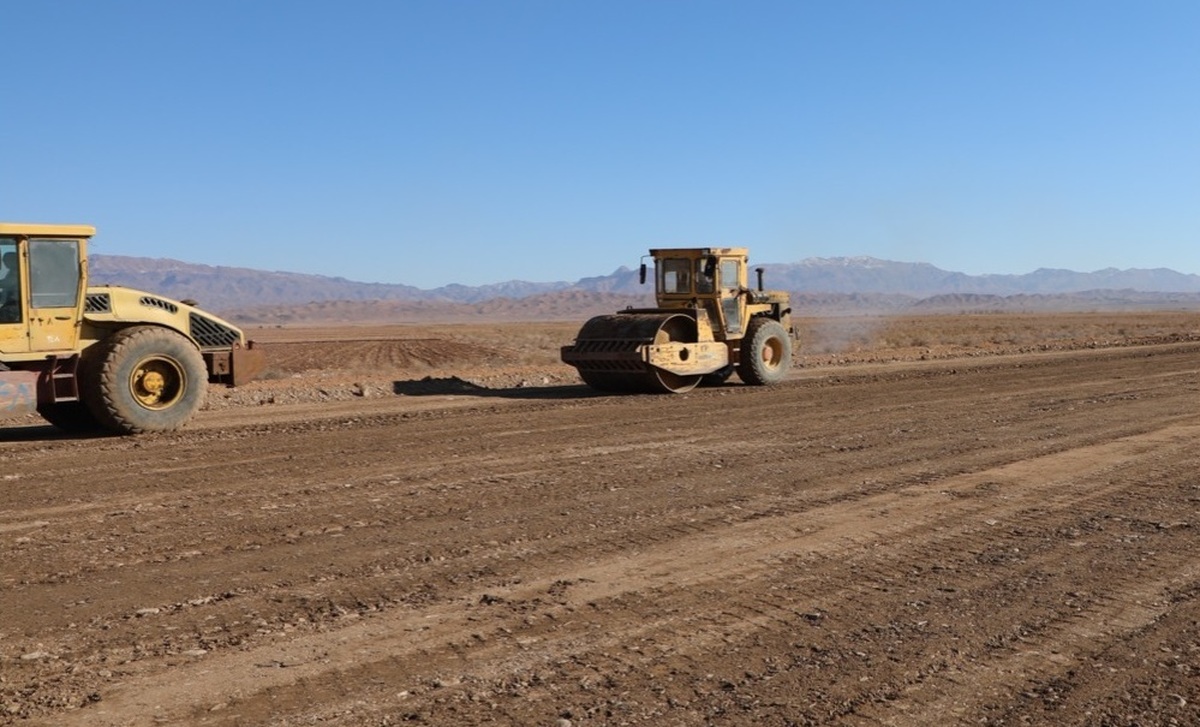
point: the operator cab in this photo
(698, 271)
(41, 286)
(710, 279)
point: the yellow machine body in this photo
(708, 323)
(52, 324)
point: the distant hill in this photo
(223, 288)
(849, 283)
(870, 275)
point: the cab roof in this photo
(699, 251)
(38, 230)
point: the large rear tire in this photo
(148, 379)
(766, 353)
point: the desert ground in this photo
(940, 520)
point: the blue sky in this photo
(481, 141)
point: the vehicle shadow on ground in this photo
(452, 385)
(43, 433)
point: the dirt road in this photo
(1001, 541)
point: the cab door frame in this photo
(14, 335)
(731, 277)
(56, 280)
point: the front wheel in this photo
(766, 353)
(148, 379)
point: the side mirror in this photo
(642, 274)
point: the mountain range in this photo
(868, 280)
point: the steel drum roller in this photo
(609, 352)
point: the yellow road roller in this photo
(708, 323)
(103, 357)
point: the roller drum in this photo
(608, 352)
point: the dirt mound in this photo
(366, 361)
(379, 356)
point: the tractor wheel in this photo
(766, 353)
(70, 416)
(148, 379)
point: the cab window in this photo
(54, 273)
(705, 271)
(729, 274)
(10, 281)
(676, 276)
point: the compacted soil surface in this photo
(927, 539)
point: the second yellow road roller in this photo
(708, 323)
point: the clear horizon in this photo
(464, 141)
(632, 268)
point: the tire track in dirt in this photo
(640, 505)
(1136, 603)
(744, 553)
(376, 354)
